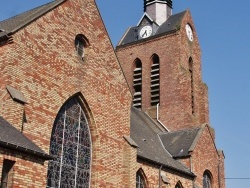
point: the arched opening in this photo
(71, 147)
(207, 179)
(81, 44)
(178, 185)
(140, 179)
(137, 84)
(155, 80)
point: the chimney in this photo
(158, 10)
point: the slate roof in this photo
(145, 133)
(11, 138)
(171, 25)
(15, 23)
(180, 143)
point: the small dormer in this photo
(158, 10)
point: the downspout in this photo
(160, 176)
(158, 120)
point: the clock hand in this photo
(145, 33)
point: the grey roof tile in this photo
(11, 138)
(180, 142)
(146, 135)
(171, 25)
(15, 23)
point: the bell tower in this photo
(161, 60)
(158, 10)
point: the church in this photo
(77, 113)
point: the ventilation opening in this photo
(137, 84)
(155, 81)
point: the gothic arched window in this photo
(155, 80)
(137, 84)
(70, 145)
(140, 181)
(207, 180)
(178, 185)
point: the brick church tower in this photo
(161, 59)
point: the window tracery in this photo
(71, 148)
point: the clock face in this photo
(189, 32)
(146, 31)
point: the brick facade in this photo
(41, 62)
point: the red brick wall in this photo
(152, 176)
(206, 157)
(174, 51)
(42, 63)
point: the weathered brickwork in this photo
(206, 149)
(42, 64)
(176, 109)
(174, 51)
(152, 176)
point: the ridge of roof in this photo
(17, 22)
(171, 25)
(143, 16)
(145, 133)
(11, 138)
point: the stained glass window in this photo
(178, 185)
(206, 180)
(140, 182)
(70, 146)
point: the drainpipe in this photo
(160, 176)
(157, 118)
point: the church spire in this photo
(158, 10)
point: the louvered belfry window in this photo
(137, 84)
(155, 80)
(70, 146)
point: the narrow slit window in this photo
(191, 72)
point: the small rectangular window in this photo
(7, 174)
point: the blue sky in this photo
(223, 29)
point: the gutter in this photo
(41, 155)
(189, 174)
